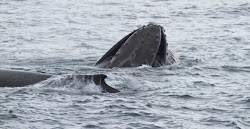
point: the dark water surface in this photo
(209, 89)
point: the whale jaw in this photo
(144, 46)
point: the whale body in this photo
(144, 46)
(13, 78)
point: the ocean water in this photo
(209, 89)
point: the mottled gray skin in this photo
(144, 46)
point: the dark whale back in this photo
(13, 78)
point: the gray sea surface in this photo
(209, 89)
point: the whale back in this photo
(13, 78)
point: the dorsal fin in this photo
(99, 79)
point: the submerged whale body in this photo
(145, 46)
(13, 78)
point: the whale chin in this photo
(144, 46)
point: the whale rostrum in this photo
(144, 46)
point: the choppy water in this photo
(210, 88)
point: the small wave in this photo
(246, 100)
(190, 7)
(92, 126)
(242, 124)
(144, 126)
(236, 68)
(69, 84)
(214, 121)
(214, 110)
(19, 0)
(189, 62)
(126, 107)
(183, 96)
(202, 83)
(7, 116)
(105, 3)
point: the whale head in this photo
(145, 46)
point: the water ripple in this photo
(208, 89)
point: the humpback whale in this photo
(146, 45)
(13, 78)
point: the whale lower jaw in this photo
(144, 46)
